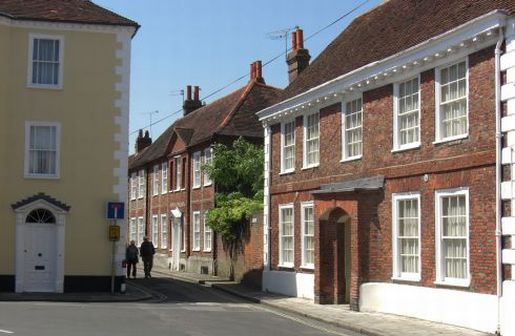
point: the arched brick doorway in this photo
(335, 257)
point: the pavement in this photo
(371, 324)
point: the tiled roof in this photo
(388, 29)
(73, 11)
(232, 115)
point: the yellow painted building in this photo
(64, 114)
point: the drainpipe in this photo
(498, 147)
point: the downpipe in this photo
(498, 148)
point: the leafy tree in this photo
(237, 171)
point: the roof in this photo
(386, 30)
(231, 115)
(367, 183)
(71, 11)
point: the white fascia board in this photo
(469, 30)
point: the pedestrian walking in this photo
(147, 252)
(131, 259)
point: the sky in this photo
(211, 43)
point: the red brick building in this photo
(170, 194)
(383, 168)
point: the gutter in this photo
(498, 172)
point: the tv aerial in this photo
(282, 34)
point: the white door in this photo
(176, 243)
(40, 258)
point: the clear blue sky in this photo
(211, 43)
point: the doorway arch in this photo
(335, 256)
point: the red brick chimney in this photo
(256, 72)
(142, 142)
(191, 103)
(298, 58)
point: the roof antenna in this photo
(282, 34)
(150, 120)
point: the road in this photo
(179, 309)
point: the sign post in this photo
(115, 210)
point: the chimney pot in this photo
(188, 92)
(294, 40)
(252, 70)
(298, 58)
(300, 38)
(142, 142)
(196, 93)
(191, 103)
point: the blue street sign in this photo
(115, 210)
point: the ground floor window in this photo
(155, 230)
(133, 230)
(196, 231)
(164, 231)
(286, 235)
(208, 235)
(308, 235)
(452, 234)
(141, 231)
(406, 236)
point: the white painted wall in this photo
(289, 283)
(508, 309)
(461, 308)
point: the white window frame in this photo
(305, 165)
(155, 229)
(207, 179)
(281, 261)
(134, 186)
(164, 229)
(28, 125)
(438, 100)
(345, 156)
(196, 175)
(164, 177)
(177, 162)
(194, 231)
(140, 233)
(440, 277)
(303, 206)
(59, 84)
(141, 184)
(397, 274)
(155, 181)
(283, 134)
(133, 229)
(208, 243)
(396, 127)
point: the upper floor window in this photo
(406, 236)
(208, 159)
(164, 177)
(311, 140)
(407, 114)
(286, 235)
(288, 147)
(134, 187)
(155, 181)
(141, 183)
(45, 61)
(451, 111)
(452, 237)
(42, 149)
(178, 172)
(352, 129)
(197, 175)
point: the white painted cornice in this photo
(67, 26)
(453, 44)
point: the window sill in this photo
(44, 86)
(311, 166)
(209, 250)
(42, 177)
(415, 278)
(208, 185)
(307, 267)
(352, 158)
(406, 148)
(285, 266)
(287, 172)
(195, 250)
(453, 283)
(155, 195)
(195, 187)
(164, 192)
(460, 137)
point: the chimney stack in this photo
(256, 72)
(142, 142)
(298, 58)
(191, 103)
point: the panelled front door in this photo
(40, 258)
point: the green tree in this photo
(237, 172)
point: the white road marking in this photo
(6, 331)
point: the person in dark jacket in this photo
(131, 259)
(147, 251)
